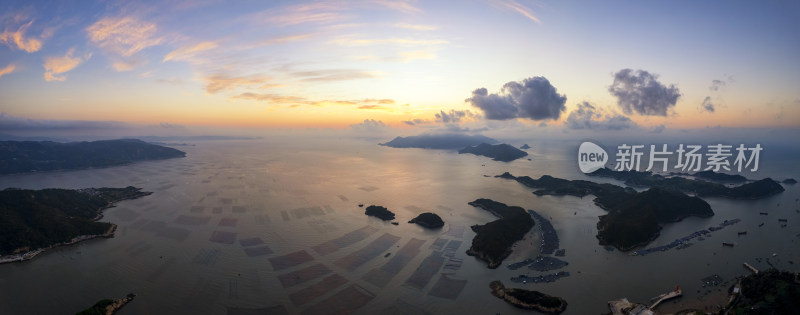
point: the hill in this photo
(441, 141)
(31, 156)
(499, 152)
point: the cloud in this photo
(125, 37)
(8, 69)
(216, 83)
(707, 105)
(408, 56)
(416, 121)
(319, 12)
(532, 98)
(13, 123)
(453, 116)
(640, 92)
(274, 98)
(591, 118)
(416, 27)
(518, 8)
(16, 38)
(189, 52)
(332, 75)
(370, 125)
(400, 6)
(716, 85)
(372, 107)
(348, 41)
(54, 66)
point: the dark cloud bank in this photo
(640, 92)
(589, 117)
(532, 98)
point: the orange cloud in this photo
(17, 38)
(54, 66)
(8, 69)
(320, 12)
(344, 41)
(221, 82)
(189, 52)
(519, 8)
(401, 6)
(125, 36)
(416, 27)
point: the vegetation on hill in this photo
(768, 292)
(498, 152)
(380, 213)
(493, 240)
(428, 220)
(30, 156)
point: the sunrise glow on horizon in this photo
(405, 64)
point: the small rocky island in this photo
(790, 181)
(525, 147)
(428, 220)
(38, 156)
(36, 220)
(380, 213)
(528, 299)
(438, 141)
(493, 240)
(107, 306)
(498, 152)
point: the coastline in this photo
(33, 253)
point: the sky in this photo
(579, 66)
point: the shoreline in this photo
(33, 253)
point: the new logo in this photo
(591, 157)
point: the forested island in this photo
(379, 212)
(438, 141)
(770, 291)
(429, 220)
(493, 240)
(34, 220)
(37, 156)
(528, 299)
(498, 152)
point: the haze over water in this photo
(174, 247)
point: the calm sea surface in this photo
(274, 225)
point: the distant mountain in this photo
(31, 156)
(720, 177)
(442, 141)
(499, 152)
(525, 147)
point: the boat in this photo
(727, 244)
(743, 233)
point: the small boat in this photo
(728, 244)
(743, 233)
(360, 205)
(395, 223)
(763, 213)
(782, 220)
(760, 225)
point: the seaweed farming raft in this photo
(549, 236)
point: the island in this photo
(720, 177)
(525, 147)
(438, 141)
(32, 221)
(529, 299)
(634, 218)
(790, 181)
(380, 213)
(753, 190)
(428, 220)
(498, 152)
(493, 240)
(37, 156)
(107, 306)
(769, 291)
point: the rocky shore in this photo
(527, 299)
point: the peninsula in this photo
(528, 299)
(32, 221)
(37, 156)
(634, 218)
(498, 152)
(493, 240)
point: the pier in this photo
(753, 269)
(666, 296)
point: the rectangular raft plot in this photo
(206, 257)
(302, 213)
(228, 222)
(226, 201)
(447, 288)
(192, 220)
(451, 248)
(452, 265)
(316, 290)
(346, 301)
(456, 231)
(216, 210)
(285, 215)
(257, 251)
(344, 241)
(378, 246)
(303, 275)
(426, 270)
(438, 244)
(197, 209)
(290, 260)
(174, 233)
(380, 277)
(223, 237)
(239, 209)
(160, 270)
(251, 241)
(262, 219)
